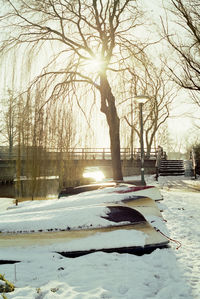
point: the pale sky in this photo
(178, 126)
(184, 112)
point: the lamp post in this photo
(141, 100)
(131, 130)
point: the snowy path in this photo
(183, 223)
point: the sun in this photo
(94, 173)
(94, 65)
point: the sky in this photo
(179, 126)
(182, 123)
(184, 113)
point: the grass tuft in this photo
(5, 285)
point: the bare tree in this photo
(185, 40)
(150, 80)
(79, 32)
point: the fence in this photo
(71, 153)
(76, 154)
(137, 153)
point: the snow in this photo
(163, 274)
(5, 203)
(67, 212)
(46, 219)
(119, 239)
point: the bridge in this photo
(50, 161)
(74, 154)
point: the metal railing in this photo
(151, 155)
(71, 153)
(77, 154)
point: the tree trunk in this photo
(109, 109)
(148, 154)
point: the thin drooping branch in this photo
(185, 42)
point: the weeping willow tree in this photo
(52, 141)
(8, 129)
(70, 36)
(40, 135)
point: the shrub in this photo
(5, 285)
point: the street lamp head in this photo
(142, 99)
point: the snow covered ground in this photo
(165, 273)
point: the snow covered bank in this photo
(163, 274)
(5, 203)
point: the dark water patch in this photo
(2, 262)
(29, 188)
(7, 189)
(136, 250)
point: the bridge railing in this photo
(71, 153)
(88, 153)
(152, 155)
(77, 154)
